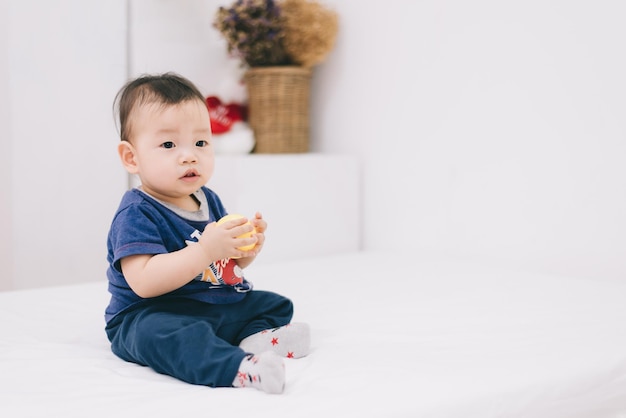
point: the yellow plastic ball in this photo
(232, 216)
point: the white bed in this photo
(417, 337)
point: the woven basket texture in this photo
(278, 105)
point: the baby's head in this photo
(161, 90)
(165, 132)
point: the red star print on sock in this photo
(289, 354)
(244, 378)
(274, 341)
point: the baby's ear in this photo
(127, 154)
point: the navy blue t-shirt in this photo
(142, 225)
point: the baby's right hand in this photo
(220, 241)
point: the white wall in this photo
(491, 128)
(170, 35)
(6, 213)
(67, 58)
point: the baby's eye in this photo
(167, 144)
(202, 143)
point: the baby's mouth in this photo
(190, 174)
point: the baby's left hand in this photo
(260, 226)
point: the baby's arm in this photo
(154, 275)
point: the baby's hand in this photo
(221, 240)
(260, 226)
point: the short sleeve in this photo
(134, 231)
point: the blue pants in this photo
(193, 341)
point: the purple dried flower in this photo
(253, 31)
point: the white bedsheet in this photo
(431, 338)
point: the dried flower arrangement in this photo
(278, 32)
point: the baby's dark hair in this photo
(165, 89)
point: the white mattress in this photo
(418, 337)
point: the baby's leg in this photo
(180, 345)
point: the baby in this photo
(180, 303)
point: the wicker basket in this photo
(278, 101)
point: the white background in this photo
(61, 182)
(487, 129)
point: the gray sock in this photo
(291, 341)
(265, 372)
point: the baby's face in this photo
(173, 149)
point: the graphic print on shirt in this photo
(225, 271)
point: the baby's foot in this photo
(265, 372)
(291, 341)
